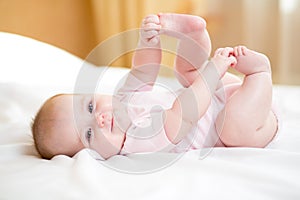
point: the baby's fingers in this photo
(232, 61)
(149, 34)
(218, 51)
(153, 41)
(228, 51)
(151, 19)
(151, 26)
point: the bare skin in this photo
(100, 130)
(254, 94)
(193, 37)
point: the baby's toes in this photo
(240, 51)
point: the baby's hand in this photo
(223, 59)
(250, 62)
(150, 30)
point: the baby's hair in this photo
(39, 131)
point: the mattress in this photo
(32, 71)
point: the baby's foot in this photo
(223, 59)
(150, 30)
(179, 24)
(250, 62)
(190, 30)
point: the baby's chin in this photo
(117, 146)
(123, 142)
(119, 134)
(120, 146)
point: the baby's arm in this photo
(194, 101)
(147, 57)
(145, 67)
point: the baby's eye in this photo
(88, 135)
(91, 107)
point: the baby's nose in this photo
(100, 117)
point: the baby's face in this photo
(87, 121)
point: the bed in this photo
(32, 71)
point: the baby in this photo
(213, 109)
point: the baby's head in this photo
(67, 123)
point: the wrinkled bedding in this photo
(32, 71)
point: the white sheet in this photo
(225, 173)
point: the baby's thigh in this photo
(230, 78)
(230, 89)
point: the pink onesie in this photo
(145, 110)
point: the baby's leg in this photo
(247, 119)
(194, 43)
